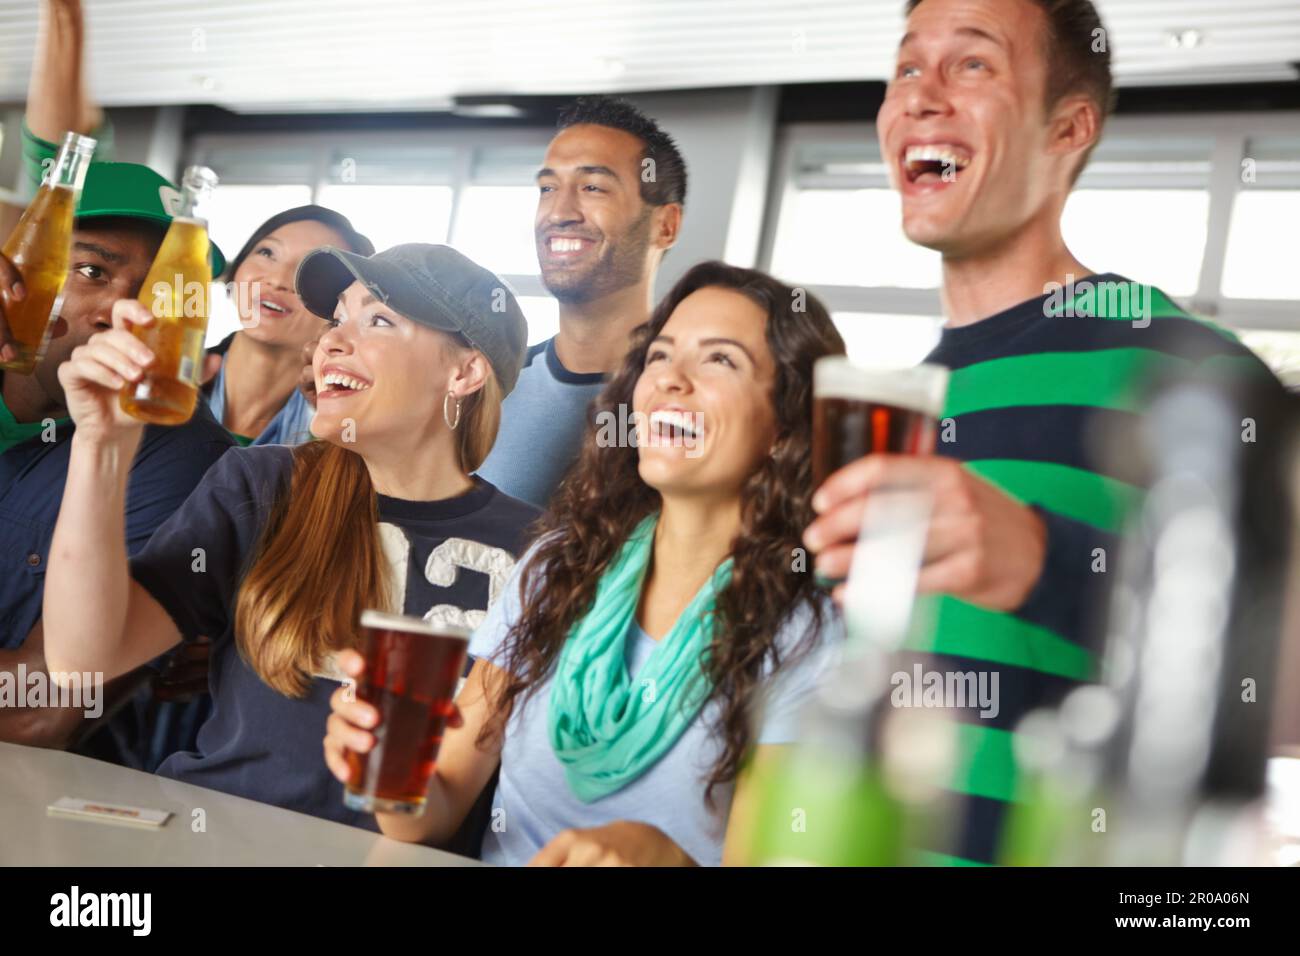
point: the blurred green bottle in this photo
(865, 786)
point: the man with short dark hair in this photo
(611, 191)
(988, 119)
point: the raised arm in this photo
(57, 100)
(96, 618)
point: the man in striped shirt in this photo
(988, 120)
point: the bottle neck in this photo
(196, 192)
(70, 166)
(188, 208)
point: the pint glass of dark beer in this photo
(858, 411)
(412, 669)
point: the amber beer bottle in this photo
(39, 247)
(176, 292)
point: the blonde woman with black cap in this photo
(279, 549)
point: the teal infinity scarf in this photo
(605, 730)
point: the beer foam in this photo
(383, 620)
(922, 388)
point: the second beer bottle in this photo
(176, 292)
(39, 248)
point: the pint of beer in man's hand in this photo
(858, 411)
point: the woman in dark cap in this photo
(253, 385)
(420, 346)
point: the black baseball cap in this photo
(430, 284)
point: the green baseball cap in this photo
(132, 191)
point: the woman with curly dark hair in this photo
(664, 627)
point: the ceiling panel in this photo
(403, 53)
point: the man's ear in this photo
(1076, 126)
(59, 328)
(667, 223)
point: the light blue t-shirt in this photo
(542, 423)
(533, 802)
(290, 426)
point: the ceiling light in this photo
(1184, 39)
(488, 110)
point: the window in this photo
(1279, 350)
(887, 341)
(391, 215)
(543, 315)
(1141, 208)
(494, 227)
(850, 237)
(236, 211)
(393, 194)
(1260, 260)
(840, 223)
(1155, 236)
(395, 188)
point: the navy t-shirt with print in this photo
(449, 559)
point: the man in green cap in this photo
(121, 219)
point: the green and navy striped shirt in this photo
(1031, 387)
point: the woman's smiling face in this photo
(703, 403)
(378, 374)
(269, 308)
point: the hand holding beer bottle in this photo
(38, 251)
(95, 374)
(176, 292)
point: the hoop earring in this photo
(447, 418)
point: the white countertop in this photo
(235, 831)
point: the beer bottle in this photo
(176, 292)
(863, 787)
(866, 784)
(40, 247)
(1059, 813)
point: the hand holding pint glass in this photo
(875, 431)
(861, 411)
(412, 669)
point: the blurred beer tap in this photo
(1165, 763)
